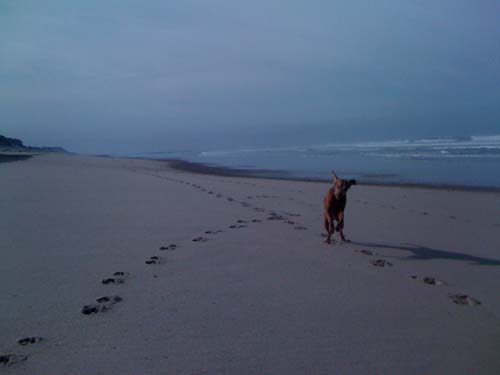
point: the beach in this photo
(230, 275)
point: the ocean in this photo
(466, 161)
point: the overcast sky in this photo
(132, 75)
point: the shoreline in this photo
(202, 168)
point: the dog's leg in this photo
(340, 226)
(342, 236)
(329, 227)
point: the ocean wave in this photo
(428, 156)
(487, 146)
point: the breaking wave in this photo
(432, 148)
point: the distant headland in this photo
(13, 149)
(14, 145)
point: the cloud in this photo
(196, 67)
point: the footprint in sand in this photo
(29, 340)
(299, 227)
(103, 304)
(241, 221)
(213, 231)
(275, 216)
(153, 260)
(230, 199)
(365, 252)
(200, 239)
(380, 263)
(237, 226)
(118, 278)
(256, 221)
(429, 280)
(464, 300)
(169, 247)
(11, 359)
(290, 222)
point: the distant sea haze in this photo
(465, 161)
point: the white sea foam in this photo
(473, 147)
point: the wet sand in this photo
(132, 267)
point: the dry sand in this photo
(266, 297)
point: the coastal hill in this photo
(16, 145)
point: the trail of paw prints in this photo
(207, 191)
(10, 359)
(380, 263)
(274, 216)
(463, 300)
(199, 239)
(29, 340)
(214, 231)
(428, 280)
(170, 247)
(242, 202)
(103, 304)
(458, 299)
(118, 278)
(245, 204)
(153, 260)
(365, 252)
(239, 224)
(211, 192)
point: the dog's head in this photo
(341, 186)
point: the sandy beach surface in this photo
(227, 275)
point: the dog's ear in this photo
(352, 182)
(335, 178)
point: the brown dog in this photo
(334, 206)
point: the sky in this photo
(125, 76)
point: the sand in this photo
(255, 295)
